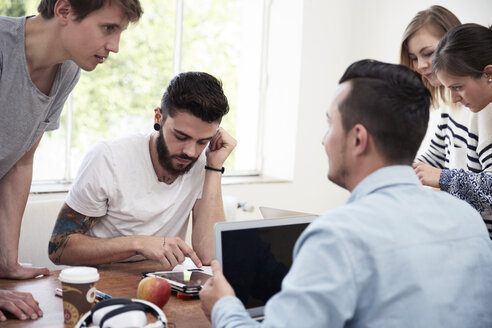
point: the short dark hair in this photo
(393, 105)
(82, 8)
(464, 51)
(197, 93)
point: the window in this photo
(221, 37)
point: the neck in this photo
(42, 46)
(161, 172)
(364, 168)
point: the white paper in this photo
(189, 265)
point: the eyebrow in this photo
(420, 51)
(113, 25)
(452, 85)
(424, 49)
(190, 137)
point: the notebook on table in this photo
(256, 255)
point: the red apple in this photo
(155, 290)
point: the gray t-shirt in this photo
(26, 113)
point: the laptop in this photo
(272, 213)
(256, 255)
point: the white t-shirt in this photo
(117, 182)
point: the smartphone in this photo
(187, 282)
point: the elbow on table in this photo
(55, 254)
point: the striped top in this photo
(462, 148)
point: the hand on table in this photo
(20, 271)
(428, 175)
(170, 251)
(214, 289)
(22, 305)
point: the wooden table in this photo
(117, 280)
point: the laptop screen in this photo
(256, 256)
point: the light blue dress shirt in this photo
(396, 255)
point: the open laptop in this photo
(256, 255)
(272, 212)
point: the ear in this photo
(360, 139)
(488, 72)
(62, 11)
(157, 115)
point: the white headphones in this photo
(122, 313)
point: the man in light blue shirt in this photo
(397, 254)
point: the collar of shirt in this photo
(383, 178)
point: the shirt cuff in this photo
(445, 179)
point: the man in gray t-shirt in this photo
(40, 61)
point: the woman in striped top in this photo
(463, 63)
(459, 158)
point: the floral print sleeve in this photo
(474, 188)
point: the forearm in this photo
(70, 244)
(207, 211)
(474, 188)
(14, 191)
(80, 249)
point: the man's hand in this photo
(22, 305)
(428, 175)
(170, 251)
(19, 271)
(220, 147)
(214, 289)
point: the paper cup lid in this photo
(79, 275)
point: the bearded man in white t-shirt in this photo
(133, 195)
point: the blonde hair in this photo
(439, 20)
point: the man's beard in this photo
(165, 159)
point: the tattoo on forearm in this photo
(67, 223)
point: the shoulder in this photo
(111, 154)
(117, 144)
(100, 149)
(398, 217)
(450, 203)
(11, 28)
(125, 144)
(10, 25)
(11, 32)
(458, 114)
